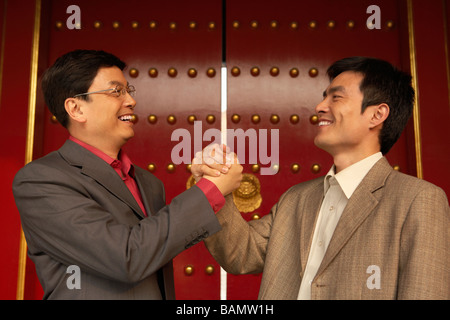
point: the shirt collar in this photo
(124, 162)
(350, 178)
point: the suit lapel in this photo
(97, 169)
(360, 205)
(312, 206)
(146, 189)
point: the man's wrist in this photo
(212, 193)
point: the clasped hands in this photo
(219, 165)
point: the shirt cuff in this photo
(212, 193)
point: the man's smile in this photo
(126, 118)
(323, 123)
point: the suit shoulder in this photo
(48, 169)
(399, 178)
(40, 166)
(403, 183)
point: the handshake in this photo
(220, 166)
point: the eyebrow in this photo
(332, 90)
(118, 83)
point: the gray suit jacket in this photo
(391, 242)
(76, 210)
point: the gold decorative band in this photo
(30, 139)
(416, 110)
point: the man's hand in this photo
(218, 165)
(211, 161)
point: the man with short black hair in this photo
(364, 231)
(86, 206)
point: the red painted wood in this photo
(17, 31)
(200, 48)
(302, 48)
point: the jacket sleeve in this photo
(424, 270)
(240, 247)
(62, 220)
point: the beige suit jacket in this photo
(392, 241)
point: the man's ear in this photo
(379, 115)
(74, 110)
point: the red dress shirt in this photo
(124, 168)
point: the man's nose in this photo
(130, 102)
(322, 107)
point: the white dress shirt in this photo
(338, 188)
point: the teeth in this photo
(324, 123)
(125, 118)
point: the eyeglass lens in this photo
(121, 91)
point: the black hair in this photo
(72, 74)
(382, 83)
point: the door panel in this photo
(282, 50)
(173, 51)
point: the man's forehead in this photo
(110, 76)
(345, 82)
(330, 90)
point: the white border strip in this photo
(223, 128)
(223, 103)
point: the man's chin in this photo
(317, 142)
(129, 136)
(321, 144)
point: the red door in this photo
(277, 53)
(173, 53)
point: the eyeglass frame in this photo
(130, 89)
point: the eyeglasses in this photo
(118, 91)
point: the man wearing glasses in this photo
(86, 207)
